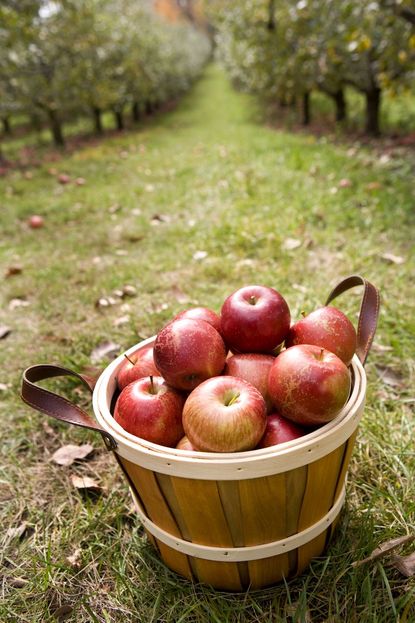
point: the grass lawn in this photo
(186, 209)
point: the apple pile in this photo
(243, 379)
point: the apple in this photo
(35, 221)
(137, 365)
(280, 430)
(327, 327)
(254, 319)
(308, 384)
(254, 368)
(150, 409)
(187, 352)
(224, 414)
(201, 313)
(184, 444)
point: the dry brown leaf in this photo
(18, 532)
(390, 376)
(63, 612)
(106, 350)
(380, 348)
(291, 243)
(14, 269)
(18, 302)
(179, 295)
(118, 322)
(18, 582)
(392, 259)
(75, 559)
(129, 290)
(70, 453)
(4, 331)
(385, 548)
(404, 564)
(85, 483)
(4, 387)
(373, 186)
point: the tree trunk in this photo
(340, 102)
(149, 107)
(119, 119)
(135, 112)
(373, 99)
(36, 122)
(97, 112)
(306, 108)
(56, 128)
(6, 125)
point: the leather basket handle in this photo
(368, 314)
(57, 406)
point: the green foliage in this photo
(70, 57)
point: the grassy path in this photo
(188, 208)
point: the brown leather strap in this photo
(58, 407)
(368, 314)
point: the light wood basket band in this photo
(241, 554)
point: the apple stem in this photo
(233, 399)
(152, 388)
(252, 299)
(303, 313)
(128, 359)
(321, 354)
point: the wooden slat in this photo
(231, 503)
(159, 512)
(263, 510)
(202, 511)
(322, 477)
(296, 480)
(346, 460)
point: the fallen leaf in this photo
(129, 290)
(345, 183)
(70, 453)
(385, 548)
(404, 564)
(161, 307)
(392, 259)
(85, 483)
(4, 387)
(333, 190)
(106, 301)
(380, 348)
(373, 186)
(156, 219)
(14, 269)
(291, 243)
(114, 208)
(4, 331)
(179, 295)
(390, 376)
(80, 181)
(18, 582)
(75, 559)
(16, 303)
(63, 612)
(118, 322)
(18, 532)
(136, 212)
(106, 350)
(200, 255)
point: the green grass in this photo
(205, 177)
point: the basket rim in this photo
(133, 448)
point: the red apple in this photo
(224, 414)
(327, 327)
(254, 368)
(137, 365)
(308, 384)
(280, 430)
(254, 319)
(188, 352)
(184, 444)
(35, 221)
(201, 313)
(150, 409)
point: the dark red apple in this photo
(150, 409)
(280, 430)
(254, 368)
(308, 384)
(224, 414)
(188, 352)
(184, 444)
(36, 221)
(201, 313)
(137, 365)
(327, 327)
(254, 319)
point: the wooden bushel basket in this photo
(231, 520)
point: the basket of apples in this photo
(234, 431)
